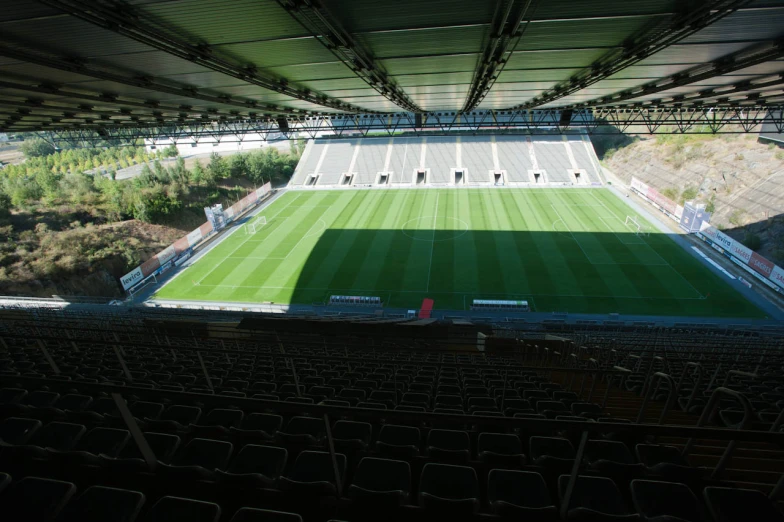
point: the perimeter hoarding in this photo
(767, 271)
(185, 244)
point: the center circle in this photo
(421, 229)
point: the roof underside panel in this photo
(431, 51)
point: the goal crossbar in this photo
(639, 228)
(255, 224)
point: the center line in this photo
(432, 244)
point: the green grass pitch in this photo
(565, 250)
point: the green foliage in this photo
(36, 148)
(171, 151)
(670, 193)
(5, 205)
(218, 166)
(711, 206)
(689, 193)
(780, 155)
(752, 241)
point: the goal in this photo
(255, 224)
(638, 228)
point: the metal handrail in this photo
(656, 377)
(739, 373)
(623, 376)
(707, 413)
(648, 375)
(578, 458)
(696, 387)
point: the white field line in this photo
(241, 244)
(561, 219)
(307, 235)
(378, 291)
(654, 250)
(432, 244)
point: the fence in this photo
(166, 258)
(763, 269)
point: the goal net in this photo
(255, 224)
(637, 227)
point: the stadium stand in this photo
(370, 160)
(477, 158)
(514, 158)
(406, 154)
(449, 160)
(551, 154)
(440, 158)
(277, 419)
(338, 160)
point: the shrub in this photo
(736, 218)
(752, 241)
(689, 193)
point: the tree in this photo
(218, 167)
(36, 148)
(197, 174)
(238, 165)
(5, 204)
(171, 151)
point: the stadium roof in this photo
(104, 63)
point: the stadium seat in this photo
(304, 431)
(448, 445)
(102, 504)
(665, 502)
(163, 445)
(520, 495)
(449, 490)
(595, 498)
(381, 482)
(199, 459)
(247, 514)
(170, 508)
(61, 436)
(313, 474)
(34, 498)
(15, 430)
(613, 460)
(500, 450)
(398, 441)
(256, 466)
(351, 436)
(105, 441)
(740, 505)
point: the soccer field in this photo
(565, 250)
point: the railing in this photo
(656, 377)
(707, 413)
(696, 387)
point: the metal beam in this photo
(107, 99)
(742, 59)
(505, 34)
(132, 23)
(315, 18)
(639, 47)
(127, 78)
(716, 119)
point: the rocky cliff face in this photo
(740, 177)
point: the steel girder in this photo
(609, 120)
(315, 18)
(504, 36)
(740, 60)
(639, 47)
(129, 22)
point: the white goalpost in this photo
(638, 228)
(255, 224)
